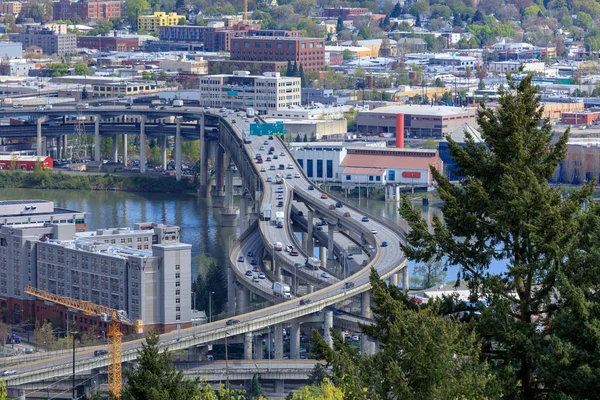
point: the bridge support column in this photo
(327, 325)
(243, 297)
(143, 144)
(304, 240)
(63, 146)
(323, 255)
(330, 243)
(230, 291)
(309, 288)
(178, 150)
(219, 193)
(115, 149)
(204, 188)
(278, 341)
(229, 214)
(97, 138)
(279, 387)
(125, 143)
(17, 393)
(365, 304)
(244, 219)
(38, 139)
(163, 152)
(295, 340)
(258, 347)
(405, 278)
(394, 280)
(309, 241)
(248, 346)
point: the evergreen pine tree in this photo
(302, 77)
(397, 11)
(288, 71)
(504, 209)
(294, 69)
(340, 25)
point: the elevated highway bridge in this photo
(221, 135)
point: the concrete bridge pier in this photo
(115, 149)
(142, 144)
(16, 393)
(229, 214)
(323, 255)
(394, 280)
(218, 194)
(279, 387)
(327, 325)
(204, 189)
(125, 143)
(278, 341)
(295, 340)
(330, 244)
(178, 149)
(244, 219)
(242, 299)
(97, 138)
(309, 288)
(163, 152)
(230, 291)
(365, 305)
(38, 139)
(304, 238)
(258, 347)
(62, 140)
(310, 225)
(366, 344)
(405, 279)
(248, 346)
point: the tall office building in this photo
(145, 271)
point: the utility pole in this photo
(226, 363)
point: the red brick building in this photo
(344, 12)
(579, 118)
(87, 9)
(108, 43)
(308, 52)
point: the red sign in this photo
(415, 175)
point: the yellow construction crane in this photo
(113, 317)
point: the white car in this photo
(280, 196)
(296, 175)
(325, 275)
(289, 248)
(374, 231)
(263, 169)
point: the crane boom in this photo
(113, 317)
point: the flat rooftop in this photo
(442, 111)
(92, 246)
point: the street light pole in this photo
(226, 363)
(194, 313)
(74, 387)
(210, 306)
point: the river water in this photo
(197, 219)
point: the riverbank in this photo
(59, 180)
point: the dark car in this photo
(232, 322)
(311, 187)
(250, 253)
(99, 353)
(365, 219)
(383, 244)
(339, 204)
(349, 285)
(253, 262)
(305, 301)
(241, 259)
(249, 273)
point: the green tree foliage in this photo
(3, 393)
(133, 9)
(322, 391)
(154, 377)
(397, 11)
(81, 69)
(347, 54)
(210, 278)
(155, 157)
(365, 33)
(505, 210)
(84, 94)
(59, 69)
(421, 356)
(340, 25)
(190, 151)
(255, 391)
(431, 273)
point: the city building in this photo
(25, 163)
(214, 37)
(11, 50)
(50, 42)
(10, 7)
(114, 89)
(108, 43)
(580, 118)
(266, 92)
(87, 9)
(59, 29)
(151, 23)
(38, 212)
(344, 12)
(308, 52)
(145, 271)
(506, 66)
(419, 120)
(354, 164)
(199, 66)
